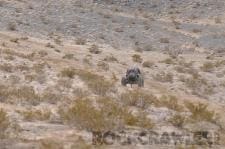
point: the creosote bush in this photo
(163, 77)
(200, 112)
(95, 49)
(36, 115)
(138, 98)
(4, 123)
(148, 64)
(137, 58)
(178, 120)
(171, 102)
(97, 83)
(107, 115)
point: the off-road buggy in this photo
(133, 76)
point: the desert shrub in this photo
(110, 58)
(94, 49)
(81, 41)
(81, 144)
(97, 83)
(36, 115)
(119, 30)
(6, 67)
(171, 102)
(168, 61)
(50, 144)
(163, 77)
(68, 72)
(164, 40)
(178, 120)
(15, 40)
(51, 97)
(109, 115)
(22, 94)
(138, 98)
(148, 64)
(102, 65)
(218, 20)
(4, 123)
(68, 56)
(208, 67)
(200, 112)
(42, 53)
(12, 26)
(199, 85)
(195, 30)
(137, 58)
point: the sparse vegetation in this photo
(200, 112)
(138, 98)
(4, 123)
(163, 77)
(171, 102)
(94, 49)
(178, 120)
(208, 67)
(36, 115)
(148, 64)
(164, 40)
(137, 58)
(81, 41)
(109, 116)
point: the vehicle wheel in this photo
(141, 82)
(124, 81)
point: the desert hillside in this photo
(62, 62)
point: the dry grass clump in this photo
(22, 94)
(147, 64)
(4, 123)
(42, 53)
(68, 72)
(102, 65)
(208, 67)
(51, 97)
(81, 41)
(178, 120)
(163, 77)
(137, 58)
(14, 53)
(12, 26)
(49, 45)
(138, 98)
(110, 58)
(97, 83)
(50, 144)
(108, 115)
(164, 40)
(81, 144)
(195, 30)
(200, 112)
(6, 67)
(36, 115)
(168, 61)
(95, 49)
(171, 102)
(218, 20)
(15, 40)
(68, 56)
(199, 85)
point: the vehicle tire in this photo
(141, 82)
(124, 81)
